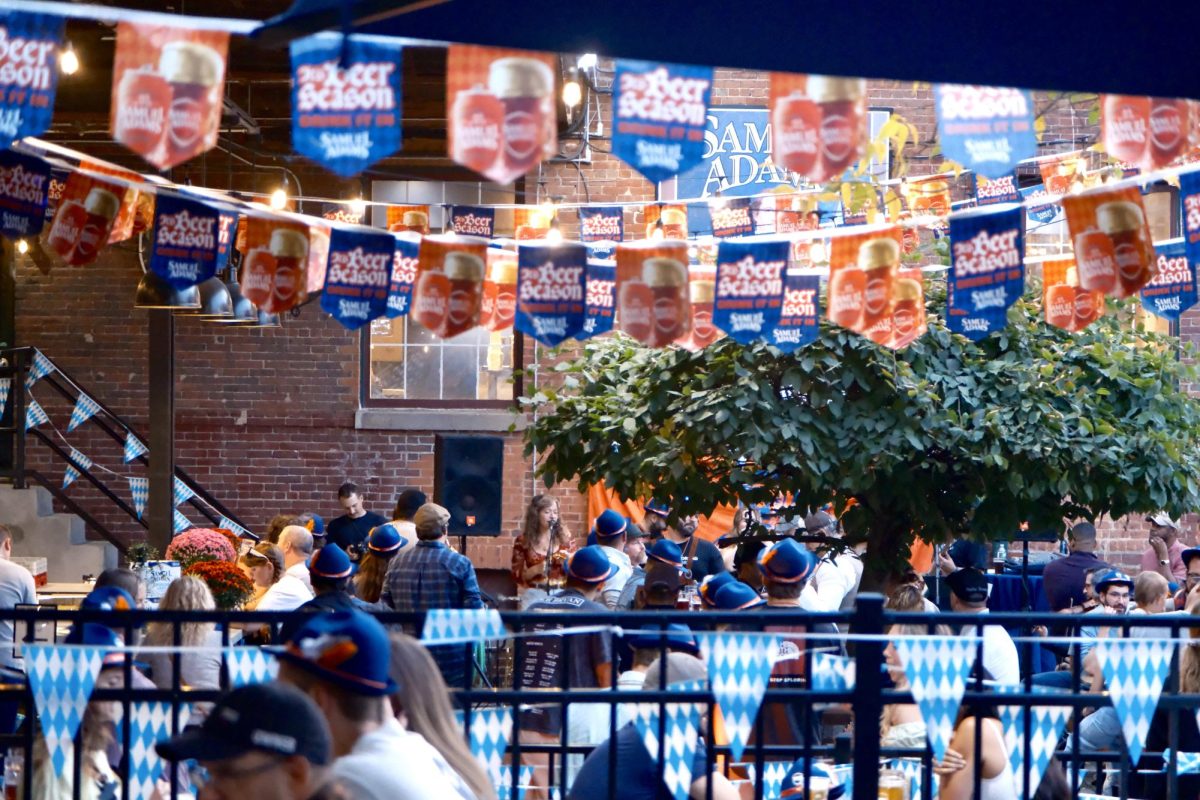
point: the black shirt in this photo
(639, 774)
(706, 560)
(346, 532)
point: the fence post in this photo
(868, 700)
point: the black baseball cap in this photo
(968, 584)
(271, 717)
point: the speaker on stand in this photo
(469, 483)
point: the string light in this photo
(279, 199)
(358, 206)
(658, 234)
(22, 246)
(816, 252)
(554, 235)
(68, 61)
(572, 94)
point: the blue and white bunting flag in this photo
(182, 492)
(78, 462)
(35, 415)
(134, 447)
(85, 409)
(682, 735)
(504, 784)
(61, 678)
(1185, 764)
(181, 522)
(230, 525)
(5, 388)
(450, 625)
(139, 490)
(40, 368)
(739, 667)
(832, 673)
(150, 723)
(1134, 671)
(773, 774)
(491, 731)
(937, 671)
(1046, 728)
(249, 665)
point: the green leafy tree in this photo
(946, 438)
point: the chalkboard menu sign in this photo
(542, 668)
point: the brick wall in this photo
(265, 418)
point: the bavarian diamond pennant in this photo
(249, 665)
(1134, 671)
(78, 461)
(451, 625)
(134, 447)
(61, 678)
(739, 667)
(41, 368)
(139, 490)
(832, 673)
(35, 415)
(85, 409)
(181, 522)
(773, 774)
(682, 733)
(1185, 764)
(182, 492)
(504, 784)
(491, 731)
(150, 723)
(937, 670)
(5, 387)
(1046, 728)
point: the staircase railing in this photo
(15, 366)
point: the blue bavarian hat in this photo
(786, 562)
(591, 539)
(93, 634)
(590, 565)
(609, 525)
(667, 552)
(1110, 577)
(735, 596)
(1188, 554)
(795, 784)
(710, 585)
(385, 538)
(677, 637)
(659, 507)
(331, 562)
(316, 525)
(349, 649)
(108, 598)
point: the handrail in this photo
(15, 363)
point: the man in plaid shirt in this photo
(431, 575)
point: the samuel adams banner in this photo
(29, 46)
(473, 221)
(1173, 290)
(984, 128)
(600, 299)
(799, 319)
(551, 284)
(24, 188)
(749, 288)
(345, 114)
(988, 272)
(186, 236)
(659, 116)
(356, 280)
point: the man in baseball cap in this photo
(1113, 589)
(969, 595)
(330, 571)
(267, 741)
(610, 530)
(1165, 553)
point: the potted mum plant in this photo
(229, 585)
(200, 544)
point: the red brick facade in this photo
(266, 418)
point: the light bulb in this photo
(22, 246)
(657, 233)
(68, 61)
(572, 95)
(586, 61)
(816, 253)
(554, 235)
(279, 199)
(358, 206)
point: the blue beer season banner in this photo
(551, 291)
(185, 241)
(345, 117)
(358, 274)
(340, 212)
(800, 317)
(601, 224)
(1043, 214)
(227, 223)
(987, 273)
(58, 182)
(989, 191)
(29, 45)
(659, 116)
(1173, 290)
(985, 128)
(749, 290)
(731, 217)
(404, 275)
(1189, 202)
(473, 221)
(24, 189)
(600, 299)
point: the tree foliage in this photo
(948, 437)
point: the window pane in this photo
(408, 363)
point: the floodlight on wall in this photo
(266, 320)
(215, 300)
(154, 292)
(242, 311)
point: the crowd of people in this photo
(360, 711)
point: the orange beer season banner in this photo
(1065, 304)
(449, 292)
(1114, 253)
(863, 271)
(274, 263)
(654, 302)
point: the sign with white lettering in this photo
(749, 291)
(551, 291)
(986, 128)
(1173, 290)
(29, 45)
(185, 241)
(24, 188)
(358, 275)
(345, 100)
(989, 191)
(473, 220)
(659, 115)
(799, 318)
(987, 275)
(404, 274)
(600, 299)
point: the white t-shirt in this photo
(829, 584)
(611, 593)
(392, 763)
(999, 653)
(290, 592)
(16, 588)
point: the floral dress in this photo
(553, 574)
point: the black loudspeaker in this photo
(469, 482)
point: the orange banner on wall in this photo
(712, 527)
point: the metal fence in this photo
(839, 727)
